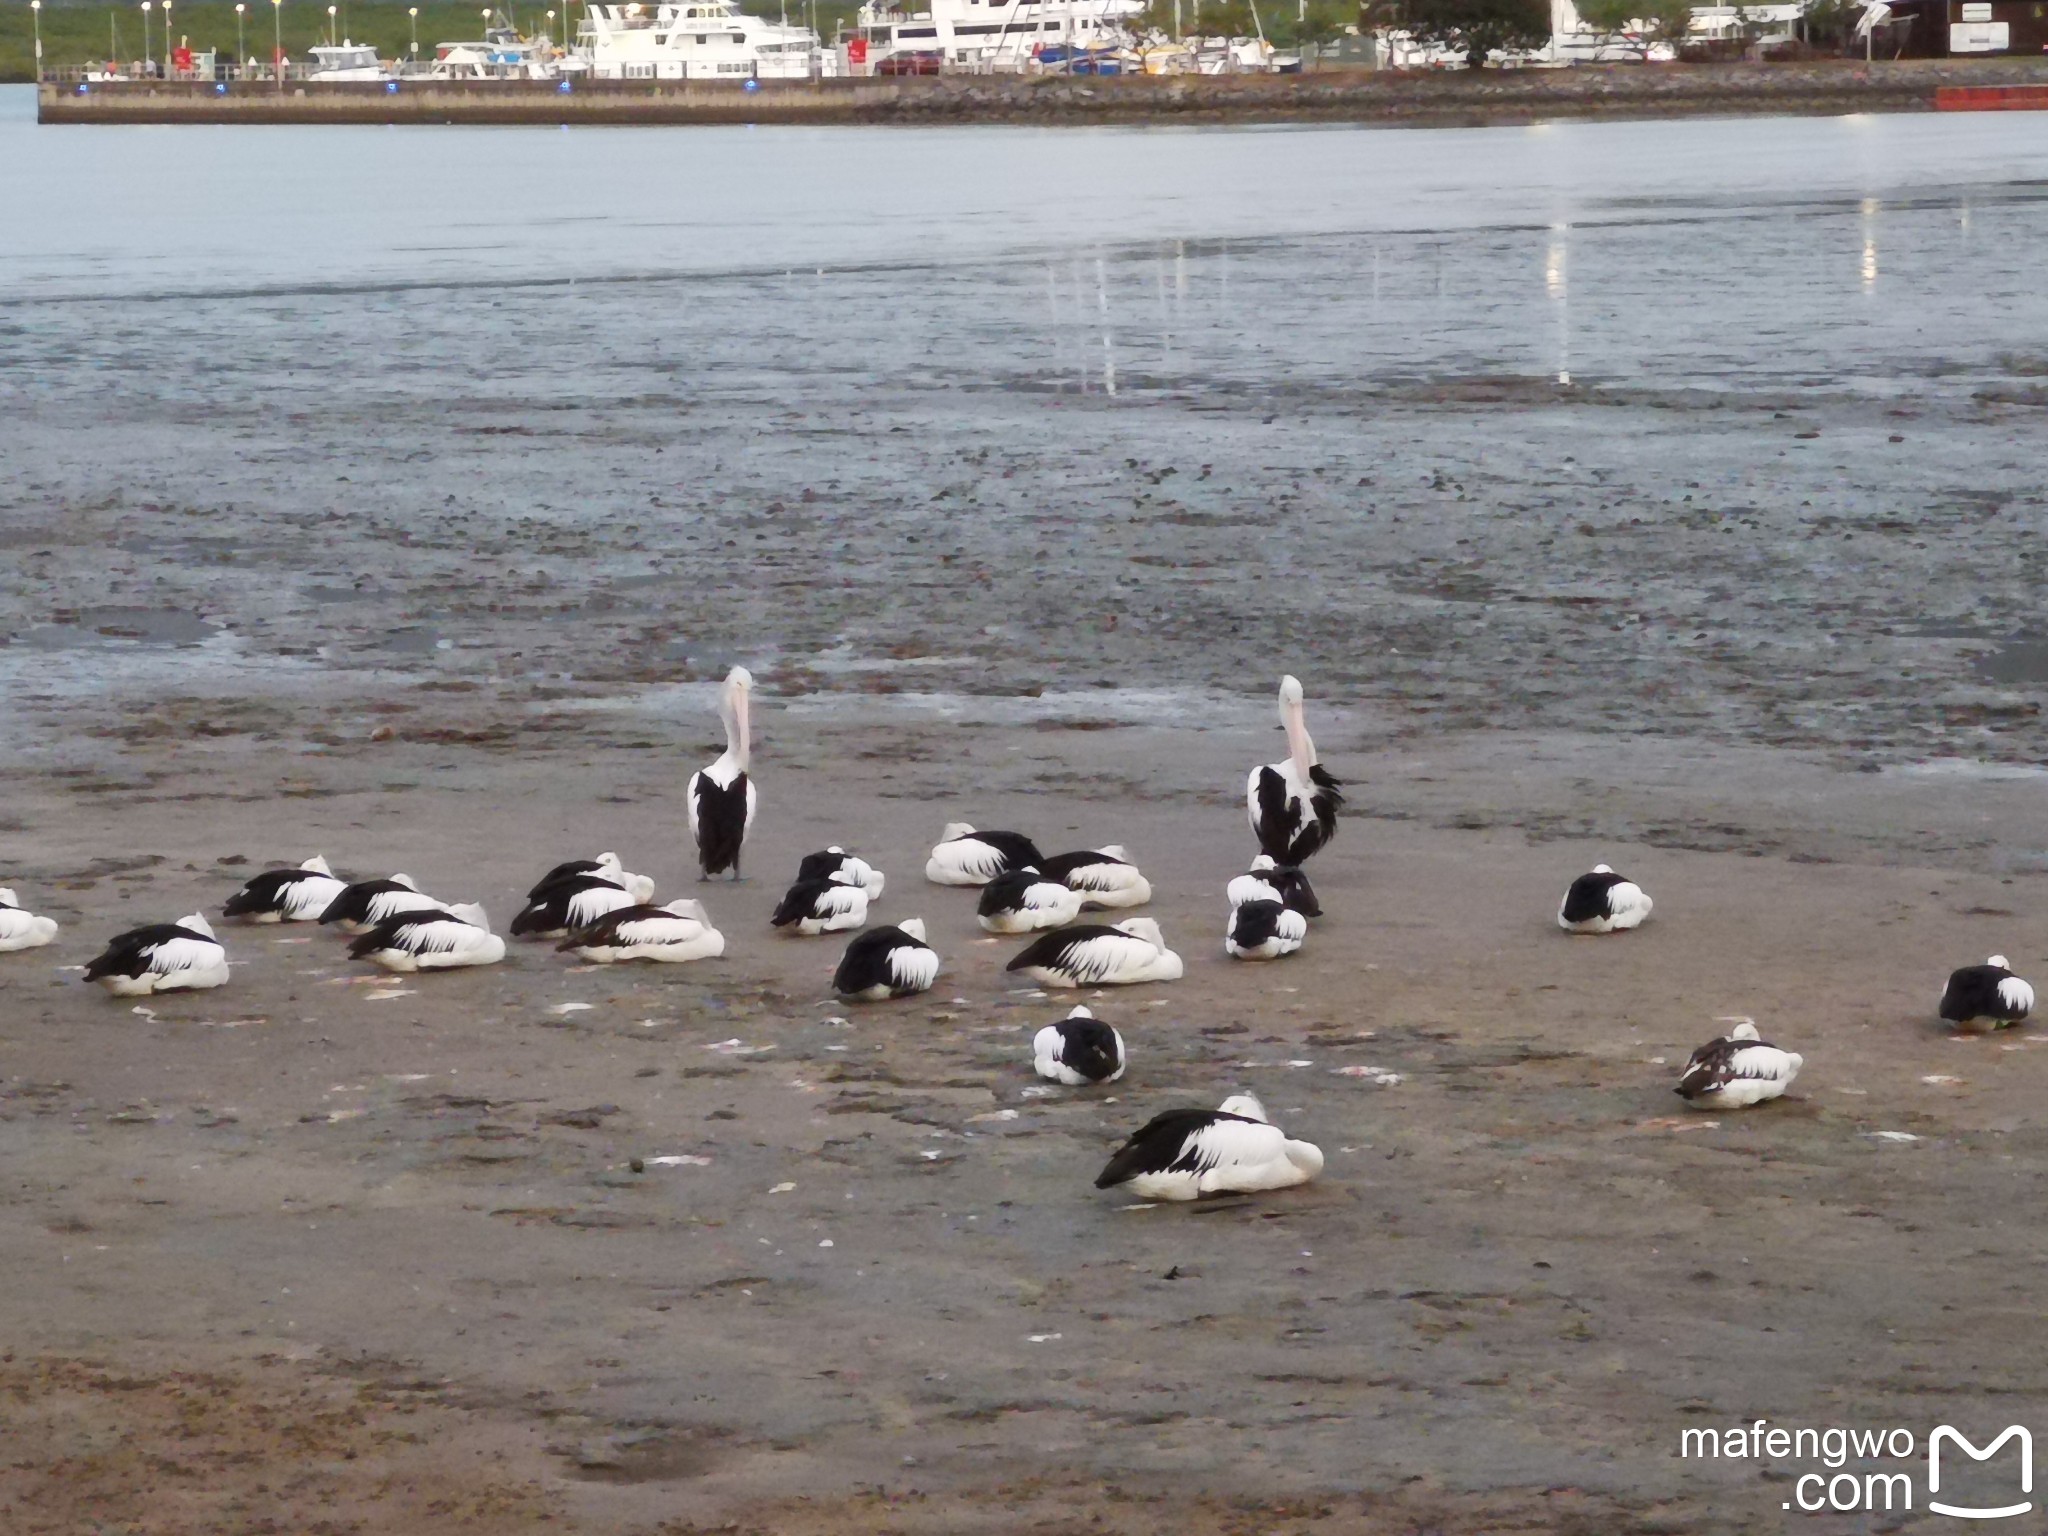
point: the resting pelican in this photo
(1267, 881)
(362, 906)
(721, 797)
(287, 895)
(164, 957)
(1293, 804)
(1185, 1154)
(1023, 901)
(1603, 902)
(822, 906)
(1737, 1070)
(1090, 955)
(673, 935)
(605, 866)
(887, 962)
(20, 928)
(836, 864)
(431, 940)
(1105, 877)
(1263, 930)
(963, 856)
(1986, 996)
(1078, 1050)
(572, 903)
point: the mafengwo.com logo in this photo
(1859, 1471)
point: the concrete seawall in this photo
(1335, 96)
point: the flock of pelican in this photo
(600, 912)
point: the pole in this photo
(147, 70)
(35, 8)
(241, 36)
(277, 38)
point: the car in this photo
(909, 64)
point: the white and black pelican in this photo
(964, 856)
(1737, 1070)
(572, 903)
(287, 895)
(1078, 1050)
(165, 957)
(1293, 804)
(1024, 901)
(1089, 955)
(362, 906)
(887, 962)
(1185, 1154)
(1105, 877)
(835, 863)
(721, 797)
(431, 940)
(821, 906)
(674, 935)
(1263, 930)
(606, 866)
(1603, 902)
(20, 928)
(1267, 881)
(1986, 996)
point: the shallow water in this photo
(1724, 426)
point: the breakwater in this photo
(1432, 98)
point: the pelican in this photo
(721, 797)
(287, 895)
(821, 906)
(571, 903)
(1023, 901)
(164, 957)
(887, 962)
(1089, 955)
(1293, 804)
(20, 929)
(360, 907)
(1737, 1070)
(674, 934)
(964, 856)
(1078, 1050)
(423, 940)
(1185, 1154)
(605, 866)
(1263, 930)
(835, 863)
(1105, 877)
(1603, 902)
(1267, 881)
(1986, 996)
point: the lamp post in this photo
(241, 36)
(413, 12)
(551, 29)
(167, 36)
(333, 24)
(277, 39)
(148, 68)
(35, 11)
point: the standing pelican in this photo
(1293, 804)
(721, 797)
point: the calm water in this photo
(1268, 393)
(1873, 246)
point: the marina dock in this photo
(1434, 98)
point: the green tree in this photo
(1476, 28)
(1640, 23)
(1292, 24)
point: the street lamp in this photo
(148, 68)
(551, 29)
(167, 36)
(333, 25)
(413, 11)
(277, 39)
(35, 9)
(241, 36)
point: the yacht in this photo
(1007, 35)
(696, 40)
(502, 55)
(347, 61)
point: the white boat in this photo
(990, 35)
(347, 61)
(696, 40)
(502, 55)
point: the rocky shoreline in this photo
(1437, 98)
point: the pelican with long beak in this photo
(1293, 804)
(721, 797)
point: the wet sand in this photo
(292, 1213)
